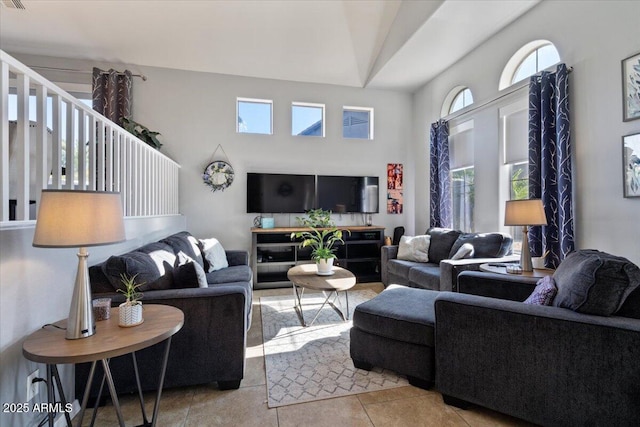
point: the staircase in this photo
(67, 145)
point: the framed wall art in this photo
(631, 165)
(631, 88)
(395, 199)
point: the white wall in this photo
(592, 37)
(35, 288)
(196, 111)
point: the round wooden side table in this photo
(49, 345)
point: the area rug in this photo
(312, 363)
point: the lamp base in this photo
(81, 323)
(525, 253)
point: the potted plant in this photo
(322, 237)
(130, 313)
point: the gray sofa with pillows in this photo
(213, 288)
(449, 252)
(574, 362)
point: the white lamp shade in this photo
(524, 212)
(73, 218)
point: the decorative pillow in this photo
(465, 251)
(185, 243)
(630, 307)
(486, 245)
(188, 274)
(414, 248)
(442, 239)
(151, 265)
(544, 292)
(595, 282)
(214, 254)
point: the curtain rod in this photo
(71, 70)
(514, 88)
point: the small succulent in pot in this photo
(130, 313)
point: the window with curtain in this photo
(514, 128)
(461, 145)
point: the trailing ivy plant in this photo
(142, 132)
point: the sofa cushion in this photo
(213, 254)
(187, 244)
(465, 251)
(152, 266)
(425, 276)
(235, 273)
(595, 282)
(442, 240)
(400, 267)
(414, 248)
(187, 273)
(485, 245)
(100, 284)
(543, 293)
(399, 313)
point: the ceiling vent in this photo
(13, 4)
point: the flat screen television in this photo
(280, 193)
(348, 194)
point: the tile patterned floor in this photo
(207, 406)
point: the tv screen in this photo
(348, 194)
(280, 193)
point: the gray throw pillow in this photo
(485, 245)
(594, 282)
(442, 239)
(152, 266)
(188, 273)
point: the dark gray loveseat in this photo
(211, 345)
(441, 271)
(555, 365)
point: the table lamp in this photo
(525, 213)
(74, 218)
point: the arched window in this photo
(529, 60)
(458, 98)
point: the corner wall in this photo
(593, 38)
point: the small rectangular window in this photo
(357, 122)
(307, 119)
(254, 116)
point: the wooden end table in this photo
(305, 276)
(49, 345)
(500, 268)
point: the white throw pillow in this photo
(414, 248)
(214, 253)
(466, 251)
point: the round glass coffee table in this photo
(305, 276)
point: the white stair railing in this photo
(71, 146)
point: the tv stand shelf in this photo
(273, 253)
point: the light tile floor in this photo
(207, 406)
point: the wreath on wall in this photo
(218, 174)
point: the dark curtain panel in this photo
(440, 190)
(112, 94)
(550, 169)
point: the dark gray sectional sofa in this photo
(211, 345)
(441, 271)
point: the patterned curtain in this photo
(440, 190)
(112, 94)
(550, 169)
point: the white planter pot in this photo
(325, 266)
(130, 315)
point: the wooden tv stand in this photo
(273, 253)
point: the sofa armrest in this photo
(494, 285)
(509, 356)
(450, 268)
(387, 252)
(237, 257)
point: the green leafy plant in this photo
(131, 292)
(322, 236)
(142, 132)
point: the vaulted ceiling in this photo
(362, 43)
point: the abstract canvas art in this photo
(631, 165)
(394, 188)
(631, 88)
